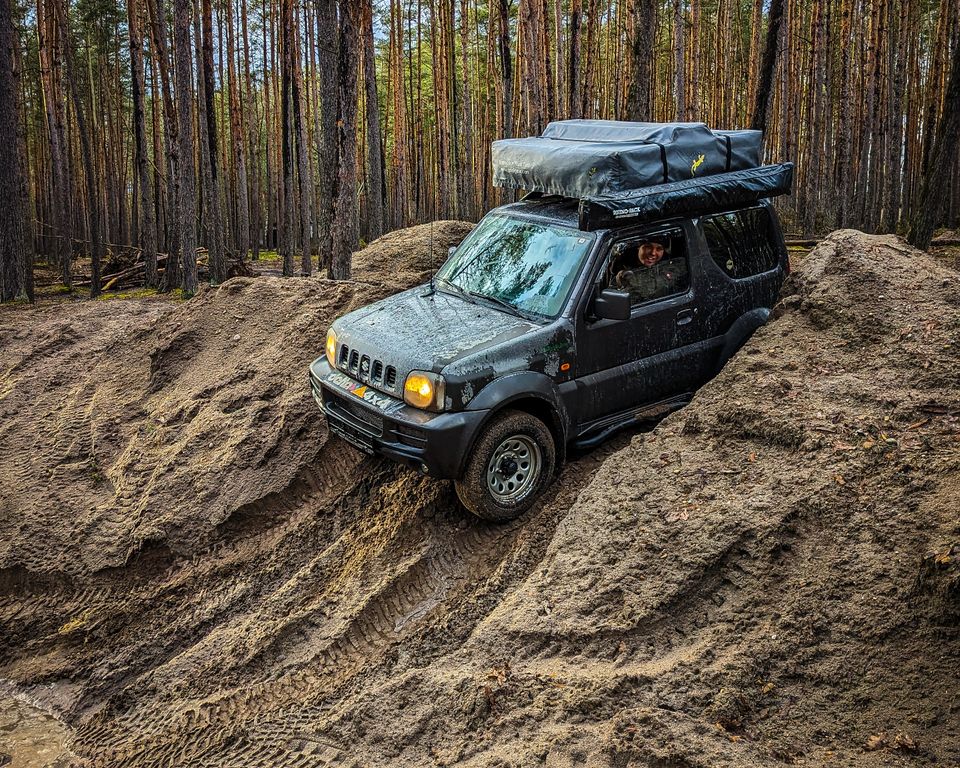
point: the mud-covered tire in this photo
(488, 488)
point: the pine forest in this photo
(147, 133)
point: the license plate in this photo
(355, 440)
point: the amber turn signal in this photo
(332, 348)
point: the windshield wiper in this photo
(456, 288)
(500, 303)
(466, 293)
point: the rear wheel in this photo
(510, 466)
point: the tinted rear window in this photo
(741, 242)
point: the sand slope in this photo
(769, 577)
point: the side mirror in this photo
(611, 304)
(450, 250)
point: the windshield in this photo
(526, 265)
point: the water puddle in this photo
(30, 737)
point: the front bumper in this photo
(433, 443)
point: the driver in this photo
(654, 273)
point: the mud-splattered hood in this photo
(423, 330)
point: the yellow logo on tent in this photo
(696, 164)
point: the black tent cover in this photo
(710, 194)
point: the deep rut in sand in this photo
(385, 558)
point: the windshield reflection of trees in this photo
(522, 264)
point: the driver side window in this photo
(650, 267)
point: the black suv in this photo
(543, 330)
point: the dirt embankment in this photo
(193, 574)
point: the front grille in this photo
(367, 369)
(344, 407)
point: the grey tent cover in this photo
(589, 158)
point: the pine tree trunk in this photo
(15, 253)
(288, 235)
(187, 198)
(642, 47)
(842, 176)
(399, 178)
(94, 207)
(506, 65)
(304, 179)
(171, 272)
(679, 78)
(50, 47)
(270, 236)
(240, 191)
(936, 177)
(208, 144)
(374, 218)
(251, 121)
(328, 63)
(146, 226)
(573, 70)
(762, 97)
(345, 213)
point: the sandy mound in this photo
(129, 422)
(392, 260)
(768, 577)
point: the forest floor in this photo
(192, 573)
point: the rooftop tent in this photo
(689, 197)
(586, 158)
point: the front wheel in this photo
(510, 466)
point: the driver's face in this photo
(650, 254)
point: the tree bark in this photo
(762, 97)
(374, 218)
(187, 203)
(50, 47)
(288, 235)
(573, 61)
(936, 176)
(252, 127)
(213, 215)
(328, 63)
(642, 51)
(240, 191)
(14, 252)
(94, 201)
(171, 272)
(147, 232)
(304, 178)
(506, 65)
(345, 234)
(679, 61)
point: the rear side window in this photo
(741, 242)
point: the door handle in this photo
(684, 316)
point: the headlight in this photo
(332, 348)
(424, 390)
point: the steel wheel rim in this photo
(513, 469)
